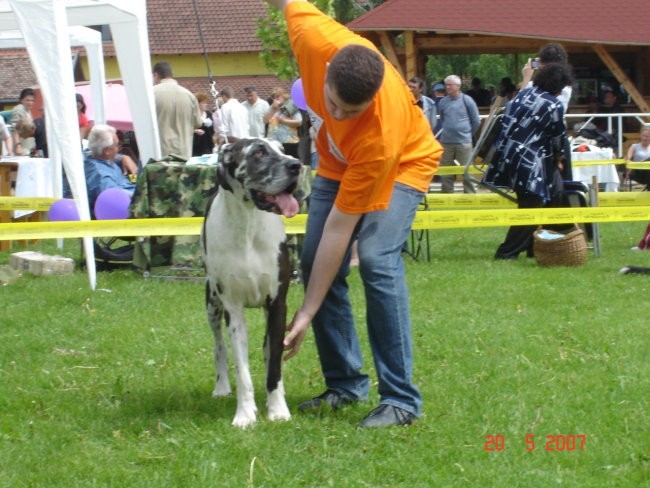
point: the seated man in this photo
(105, 167)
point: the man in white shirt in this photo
(256, 107)
(234, 117)
(6, 141)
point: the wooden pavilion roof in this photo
(612, 31)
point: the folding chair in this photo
(484, 148)
(417, 245)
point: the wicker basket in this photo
(568, 250)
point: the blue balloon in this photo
(112, 204)
(63, 210)
(298, 94)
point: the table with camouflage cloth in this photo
(171, 189)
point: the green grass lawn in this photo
(112, 387)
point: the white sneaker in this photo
(635, 248)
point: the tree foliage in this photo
(272, 31)
(490, 68)
(279, 59)
(277, 54)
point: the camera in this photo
(534, 63)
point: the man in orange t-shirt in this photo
(376, 158)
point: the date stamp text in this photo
(557, 442)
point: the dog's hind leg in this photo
(276, 318)
(246, 414)
(214, 310)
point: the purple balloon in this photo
(63, 210)
(112, 204)
(298, 94)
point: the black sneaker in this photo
(387, 416)
(333, 398)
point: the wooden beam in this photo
(478, 44)
(623, 79)
(389, 51)
(410, 55)
(482, 44)
(439, 42)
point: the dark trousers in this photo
(520, 237)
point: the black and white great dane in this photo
(247, 264)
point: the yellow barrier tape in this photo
(23, 203)
(639, 165)
(456, 170)
(124, 228)
(434, 200)
(492, 200)
(623, 199)
(467, 200)
(459, 170)
(597, 162)
(436, 219)
(449, 219)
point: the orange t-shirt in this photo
(391, 141)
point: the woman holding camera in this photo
(528, 155)
(283, 119)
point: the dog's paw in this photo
(245, 417)
(221, 389)
(277, 407)
(221, 392)
(280, 414)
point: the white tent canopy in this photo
(45, 28)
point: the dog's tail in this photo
(634, 270)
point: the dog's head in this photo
(257, 171)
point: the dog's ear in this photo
(225, 154)
(222, 181)
(226, 159)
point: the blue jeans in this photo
(380, 235)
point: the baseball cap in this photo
(438, 86)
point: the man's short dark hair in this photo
(553, 77)
(163, 69)
(250, 89)
(26, 92)
(356, 73)
(418, 81)
(227, 91)
(553, 53)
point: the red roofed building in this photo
(228, 31)
(596, 33)
(229, 35)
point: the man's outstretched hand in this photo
(297, 330)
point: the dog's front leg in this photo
(246, 408)
(276, 318)
(276, 404)
(214, 310)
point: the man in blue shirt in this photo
(438, 92)
(105, 168)
(460, 119)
